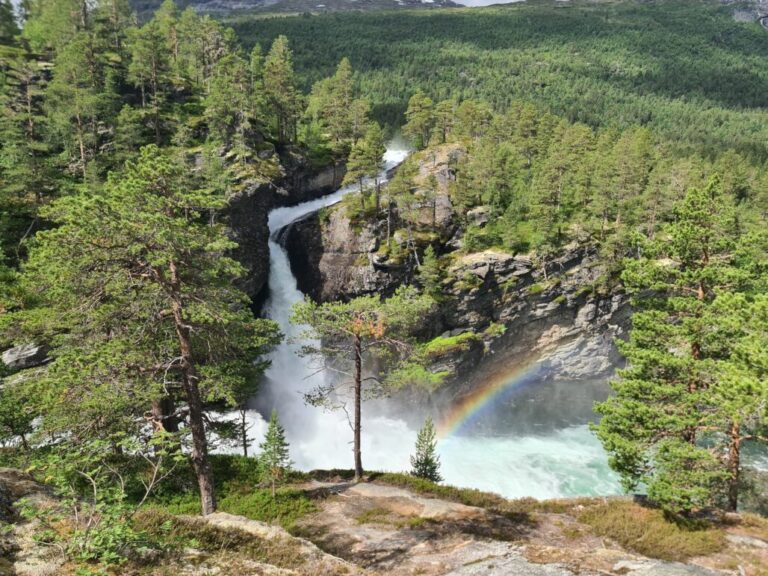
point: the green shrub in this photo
(285, 508)
(178, 533)
(649, 532)
(494, 330)
(441, 346)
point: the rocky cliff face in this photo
(337, 257)
(563, 320)
(248, 212)
(513, 309)
(333, 261)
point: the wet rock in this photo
(586, 357)
(248, 210)
(586, 315)
(333, 261)
(246, 217)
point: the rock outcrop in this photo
(332, 261)
(563, 317)
(248, 210)
(247, 214)
(558, 311)
(21, 551)
(25, 356)
(337, 256)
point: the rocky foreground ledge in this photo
(376, 528)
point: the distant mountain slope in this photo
(223, 6)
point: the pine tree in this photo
(136, 299)
(335, 115)
(559, 179)
(150, 71)
(445, 120)
(431, 274)
(681, 382)
(280, 88)
(419, 119)
(425, 463)
(366, 160)
(8, 27)
(348, 333)
(51, 25)
(27, 178)
(77, 101)
(274, 458)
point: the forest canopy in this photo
(686, 70)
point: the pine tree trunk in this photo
(189, 378)
(155, 103)
(734, 465)
(244, 433)
(358, 401)
(81, 146)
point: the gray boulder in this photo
(25, 356)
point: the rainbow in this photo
(482, 398)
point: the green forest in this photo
(635, 131)
(686, 69)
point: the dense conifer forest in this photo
(635, 131)
(687, 70)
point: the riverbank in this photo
(397, 525)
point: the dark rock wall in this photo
(248, 211)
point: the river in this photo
(527, 441)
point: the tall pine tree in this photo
(136, 299)
(682, 382)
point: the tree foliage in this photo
(135, 295)
(687, 401)
(364, 329)
(425, 463)
(274, 458)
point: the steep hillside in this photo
(687, 70)
(223, 7)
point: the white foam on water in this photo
(569, 462)
(566, 462)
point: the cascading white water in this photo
(319, 439)
(564, 460)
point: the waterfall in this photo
(550, 458)
(318, 438)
